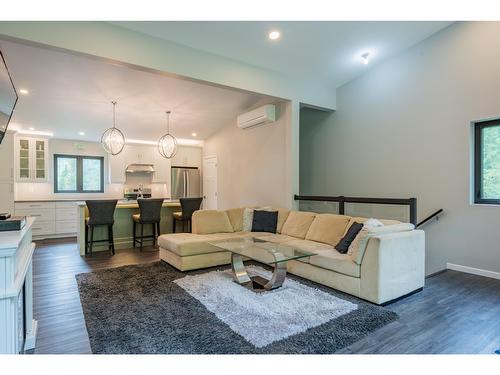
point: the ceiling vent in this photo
(260, 116)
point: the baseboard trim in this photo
(472, 270)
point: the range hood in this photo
(140, 168)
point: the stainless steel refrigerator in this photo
(185, 182)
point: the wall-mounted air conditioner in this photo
(260, 116)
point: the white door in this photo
(210, 183)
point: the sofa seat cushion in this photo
(211, 221)
(334, 261)
(297, 223)
(186, 244)
(308, 246)
(328, 228)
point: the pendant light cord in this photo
(114, 116)
(168, 121)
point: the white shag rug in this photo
(262, 318)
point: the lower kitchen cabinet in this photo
(53, 218)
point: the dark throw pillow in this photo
(265, 221)
(351, 234)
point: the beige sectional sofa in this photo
(386, 263)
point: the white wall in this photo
(403, 130)
(252, 163)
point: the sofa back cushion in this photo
(236, 218)
(297, 223)
(328, 228)
(211, 221)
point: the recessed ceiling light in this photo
(364, 58)
(31, 128)
(273, 35)
(194, 134)
(24, 91)
(81, 133)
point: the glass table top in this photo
(261, 251)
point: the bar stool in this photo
(188, 206)
(149, 213)
(101, 212)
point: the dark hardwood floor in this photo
(455, 313)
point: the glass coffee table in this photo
(270, 253)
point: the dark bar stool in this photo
(101, 212)
(150, 213)
(188, 206)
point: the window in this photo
(487, 162)
(78, 174)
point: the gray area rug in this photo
(144, 309)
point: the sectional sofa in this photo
(387, 264)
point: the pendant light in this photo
(167, 145)
(112, 139)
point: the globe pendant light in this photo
(167, 145)
(112, 139)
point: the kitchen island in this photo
(122, 228)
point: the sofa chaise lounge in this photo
(388, 263)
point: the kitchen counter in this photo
(122, 228)
(126, 203)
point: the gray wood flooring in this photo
(455, 313)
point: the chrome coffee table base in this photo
(257, 283)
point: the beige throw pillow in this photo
(248, 217)
(358, 246)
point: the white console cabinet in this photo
(17, 327)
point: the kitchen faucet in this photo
(140, 191)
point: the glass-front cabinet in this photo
(31, 160)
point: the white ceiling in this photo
(70, 94)
(328, 50)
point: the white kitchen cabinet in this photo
(117, 165)
(162, 173)
(138, 154)
(53, 219)
(187, 156)
(31, 158)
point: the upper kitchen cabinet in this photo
(117, 165)
(31, 158)
(187, 156)
(138, 154)
(162, 169)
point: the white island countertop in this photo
(12, 239)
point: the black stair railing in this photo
(430, 217)
(411, 202)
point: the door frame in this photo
(216, 179)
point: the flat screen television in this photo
(8, 97)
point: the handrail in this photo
(435, 214)
(411, 202)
